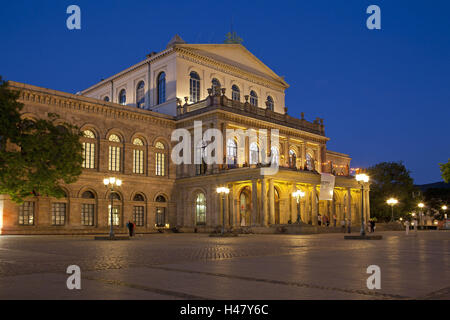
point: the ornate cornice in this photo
(66, 101)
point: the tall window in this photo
(309, 161)
(194, 92)
(200, 209)
(253, 98)
(160, 159)
(115, 210)
(139, 210)
(161, 88)
(58, 213)
(292, 158)
(122, 97)
(215, 86)
(200, 168)
(114, 153)
(160, 217)
(88, 208)
(235, 93)
(88, 149)
(275, 155)
(140, 95)
(138, 156)
(254, 153)
(269, 103)
(231, 151)
(26, 213)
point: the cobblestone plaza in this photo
(195, 266)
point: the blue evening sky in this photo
(384, 94)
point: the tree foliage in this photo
(36, 156)
(435, 198)
(391, 179)
(445, 170)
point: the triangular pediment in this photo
(235, 55)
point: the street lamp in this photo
(392, 202)
(421, 206)
(223, 191)
(362, 178)
(110, 183)
(444, 207)
(298, 195)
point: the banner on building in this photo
(326, 186)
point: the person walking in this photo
(130, 228)
(319, 219)
(133, 229)
(407, 227)
(343, 225)
(334, 220)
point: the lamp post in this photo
(392, 202)
(421, 206)
(298, 195)
(223, 191)
(110, 183)
(444, 207)
(362, 178)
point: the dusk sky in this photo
(384, 94)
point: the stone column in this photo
(314, 206)
(303, 154)
(349, 205)
(293, 202)
(271, 202)
(254, 202)
(265, 216)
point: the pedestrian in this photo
(372, 224)
(319, 220)
(334, 220)
(327, 220)
(133, 229)
(130, 228)
(343, 225)
(407, 227)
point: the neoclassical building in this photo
(128, 120)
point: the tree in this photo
(36, 156)
(391, 179)
(445, 170)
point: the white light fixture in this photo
(362, 177)
(392, 201)
(222, 190)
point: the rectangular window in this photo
(116, 215)
(88, 155)
(194, 90)
(138, 161)
(26, 213)
(138, 215)
(87, 214)
(160, 164)
(58, 214)
(114, 158)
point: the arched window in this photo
(88, 143)
(114, 153)
(253, 98)
(235, 93)
(106, 99)
(123, 97)
(88, 208)
(269, 103)
(116, 209)
(215, 86)
(194, 91)
(275, 155)
(160, 159)
(254, 153)
(231, 151)
(140, 95)
(160, 217)
(292, 158)
(139, 210)
(200, 209)
(161, 88)
(138, 156)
